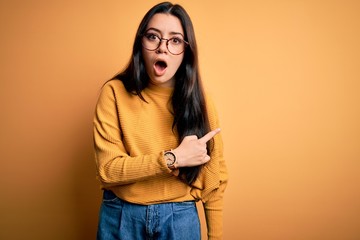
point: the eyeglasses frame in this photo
(167, 43)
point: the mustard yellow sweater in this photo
(130, 136)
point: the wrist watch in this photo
(170, 159)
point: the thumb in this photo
(191, 137)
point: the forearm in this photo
(125, 169)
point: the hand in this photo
(192, 151)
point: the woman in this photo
(155, 151)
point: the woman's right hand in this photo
(192, 151)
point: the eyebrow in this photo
(171, 33)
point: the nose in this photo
(162, 46)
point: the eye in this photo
(176, 41)
(151, 37)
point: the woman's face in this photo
(161, 65)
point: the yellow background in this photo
(285, 76)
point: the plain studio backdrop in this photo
(285, 77)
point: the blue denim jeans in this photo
(122, 220)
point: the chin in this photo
(162, 81)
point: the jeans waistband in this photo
(109, 195)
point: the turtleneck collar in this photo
(159, 90)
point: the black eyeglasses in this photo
(175, 45)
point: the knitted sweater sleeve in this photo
(209, 187)
(114, 165)
(213, 205)
(213, 202)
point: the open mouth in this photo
(160, 67)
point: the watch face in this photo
(170, 158)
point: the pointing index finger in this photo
(209, 135)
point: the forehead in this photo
(165, 23)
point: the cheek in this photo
(178, 62)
